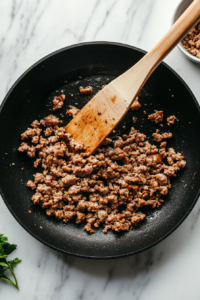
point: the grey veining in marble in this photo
(31, 29)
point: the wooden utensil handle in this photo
(130, 83)
(175, 34)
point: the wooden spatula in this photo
(101, 114)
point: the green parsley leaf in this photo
(9, 248)
(5, 250)
(15, 261)
(3, 264)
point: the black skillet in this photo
(96, 64)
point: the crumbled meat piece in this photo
(167, 135)
(137, 217)
(42, 122)
(76, 146)
(181, 164)
(106, 142)
(39, 177)
(119, 143)
(68, 215)
(24, 147)
(69, 180)
(172, 155)
(121, 225)
(191, 41)
(156, 117)
(36, 198)
(74, 189)
(163, 145)
(171, 120)
(35, 124)
(31, 184)
(80, 217)
(58, 102)
(42, 188)
(58, 214)
(31, 152)
(72, 112)
(133, 188)
(159, 137)
(136, 105)
(156, 158)
(35, 139)
(51, 121)
(48, 131)
(43, 141)
(57, 197)
(171, 170)
(108, 187)
(163, 152)
(30, 133)
(87, 90)
(83, 172)
(102, 215)
(37, 162)
(53, 139)
(88, 228)
(140, 137)
(163, 190)
(117, 154)
(162, 179)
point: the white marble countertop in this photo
(171, 270)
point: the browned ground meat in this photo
(31, 184)
(159, 137)
(35, 124)
(106, 142)
(192, 41)
(136, 105)
(31, 133)
(72, 111)
(156, 117)
(171, 120)
(58, 102)
(163, 145)
(87, 90)
(37, 162)
(109, 187)
(48, 131)
(50, 121)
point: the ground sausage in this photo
(171, 120)
(58, 102)
(156, 117)
(107, 188)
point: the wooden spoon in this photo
(100, 115)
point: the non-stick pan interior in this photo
(96, 64)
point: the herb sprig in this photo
(5, 250)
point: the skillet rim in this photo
(7, 96)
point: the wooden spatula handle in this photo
(175, 34)
(130, 83)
